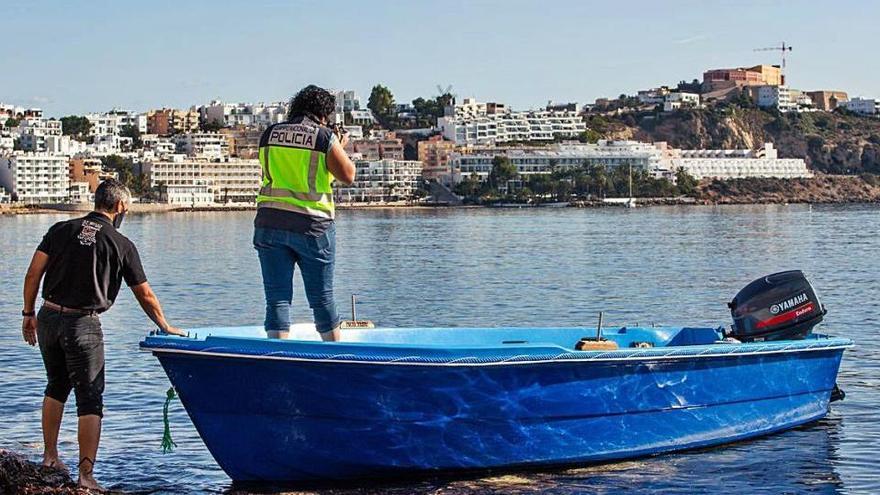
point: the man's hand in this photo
(29, 329)
(174, 331)
(343, 138)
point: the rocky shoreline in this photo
(19, 476)
(822, 189)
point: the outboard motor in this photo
(782, 306)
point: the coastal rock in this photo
(826, 189)
(19, 476)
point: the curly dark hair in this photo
(312, 100)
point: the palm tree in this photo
(599, 176)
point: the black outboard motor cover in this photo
(781, 306)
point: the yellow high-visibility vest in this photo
(293, 156)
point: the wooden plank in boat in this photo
(350, 324)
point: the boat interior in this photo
(573, 338)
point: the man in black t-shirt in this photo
(84, 262)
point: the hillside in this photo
(830, 142)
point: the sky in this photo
(77, 56)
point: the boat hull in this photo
(282, 418)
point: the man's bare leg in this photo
(334, 335)
(277, 334)
(88, 435)
(53, 410)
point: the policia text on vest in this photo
(293, 157)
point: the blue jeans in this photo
(279, 250)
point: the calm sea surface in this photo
(481, 267)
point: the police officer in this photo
(84, 262)
(295, 212)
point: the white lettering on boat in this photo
(788, 304)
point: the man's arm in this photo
(31, 287)
(150, 304)
(338, 162)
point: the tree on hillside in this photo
(210, 126)
(469, 187)
(685, 182)
(502, 172)
(124, 169)
(76, 127)
(381, 102)
(428, 110)
(135, 134)
(599, 179)
(12, 122)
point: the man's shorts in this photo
(72, 346)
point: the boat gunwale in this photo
(823, 343)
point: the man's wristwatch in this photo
(28, 313)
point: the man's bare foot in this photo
(55, 464)
(88, 481)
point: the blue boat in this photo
(388, 402)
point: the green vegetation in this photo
(76, 127)
(134, 133)
(586, 182)
(427, 111)
(210, 126)
(12, 122)
(138, 183)
(381, 103)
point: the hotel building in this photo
(657, 158)
(35, 178)
(229, 180)
(382, 181)
(475, 123)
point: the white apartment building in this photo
(474, 123)
(5, 198)
(347, 100)
(657, 159)
(273, 113)
(108, 144)
(114, 121)
(79, 193)
(64, 145)
(775, 97)
(864, 106)
(653, 96)
(160, 146)
(35, 178)
(34, 130)
(680, 99)
(737, 164)
(12, 111)
(362, 117)
(382, 181)
(243, 114)
(192, 192)
(534, 160)
(209, 145)
(229, 180)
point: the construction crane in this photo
(782, 48)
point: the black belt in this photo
(62, 309)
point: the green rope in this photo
(167, 443)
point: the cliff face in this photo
(832, 143)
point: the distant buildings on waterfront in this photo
(207, 154)
(657, 159)
(475, 123)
